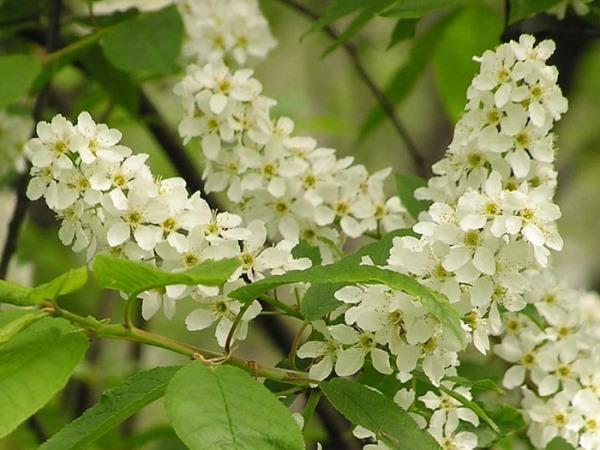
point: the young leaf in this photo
(375, 412)
(36, 364)
(148, 43)
(521, 9)
(405, 187)
(413, 9)
(66, 283)
(115, 406)
(135, 277)
(337, 10)
(348, 273)
(17, 74)
(379, 251)
(471, 32)
(223, 407)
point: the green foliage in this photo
(319, 300)
(135, 277)
(375, 412)
(405, 188)
(559, 443)
(413, 9)
(345, 272)
(337, 10)
(17, 74)
(521, 9)
(404, 29)
(16, 321)
(508, 419)
(305, 250)
(470, 32)
(406, 76)
(115, 406)
(36, 363)
(223, 407)
(146, 44)
(64, 284)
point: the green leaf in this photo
(375, 412)
(472, 31)
(11, 326)
(64, 284)
(17, 74)
(473, 406)
(36, 364)
(117, 84)
(385, 384)
(135, 277)
(405, 78)
(405, 187)
(559, 443)
(371, 9)
(508, 419)
(413, 9)
(349, 273)
(14, 294)
(477, 386)
(378, 251)
(319, 300)
(223, 407)
(404, 29)
(304, 250)
(521, 9)
(115, 406)
(337, 10)
(148, 43)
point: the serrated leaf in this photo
(115, 406)
(413, 9)
(521, 9)
(17, 74)
(351, 273)
(378, 251)
(36, 364)
(404, 29)
(375, 412)
(406, 76)
(405, 188)
(224, 407)
(472, 31)
(148, 43)
(508, 419)
(134, 277)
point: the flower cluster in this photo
(230, 30)
(108, 201)
(490, 226)
(301, 190)
(554, 348)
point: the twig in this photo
(386, 104)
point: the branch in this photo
(130, 333)
(14, 226)
(385, 103)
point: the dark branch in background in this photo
(388, 107)
(14, 227)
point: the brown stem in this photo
(385, 103)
